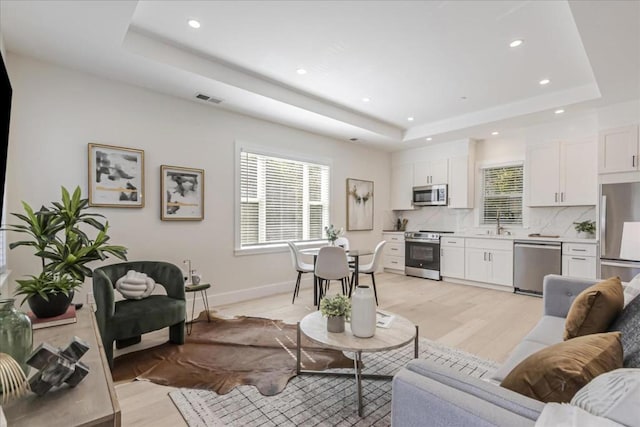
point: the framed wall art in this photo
(359, 204)
(182, 193)
(116, 176)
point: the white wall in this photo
(57, 111)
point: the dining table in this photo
(353, 253)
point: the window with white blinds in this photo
(502, 194)
(281, 199)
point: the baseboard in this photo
(223, 298)
(478, 284)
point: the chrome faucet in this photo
(499, 229)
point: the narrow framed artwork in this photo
(359, 204)
(116, 176)
(182, 193)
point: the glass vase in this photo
(16, 335)
(363, 312)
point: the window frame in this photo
(241, 146)
(480, 194)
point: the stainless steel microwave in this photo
(430, 195)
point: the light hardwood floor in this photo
(481, 321)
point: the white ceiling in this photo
(410, 58)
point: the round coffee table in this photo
(400, 333)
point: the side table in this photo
(202, 288)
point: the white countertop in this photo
(525, 237)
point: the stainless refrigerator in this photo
(619, 203)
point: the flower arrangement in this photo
(333, 233)
(337, 305)
(588, 227)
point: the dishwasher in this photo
(532, 261)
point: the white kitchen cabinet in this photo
(619, 150)
(452, 257)
(489, 261)
(461, 182)
(402, 187)
(579, 260)
(562, 173)
(393, 252)
(430, 172)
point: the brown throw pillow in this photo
(594, 309)
(556, 373)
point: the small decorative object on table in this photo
(363, 312)
(135, 285)
(586, 227)
(16, 335)
(333, 234)
(57, 366)
(13, 381)
(336, 309)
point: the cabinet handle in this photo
(556, 197)
(490, 257)
(394, 249)
(485, 256)
(578, 259)
(579, 250)
(441, 253)
(633, 160)
(562, 196)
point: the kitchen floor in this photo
(485, 322)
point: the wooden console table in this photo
(93, 402)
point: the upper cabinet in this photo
(619, 150)
(430, 172)
(461, 181)
(562, 173)
(402, 187)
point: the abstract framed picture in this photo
(359, 204)
(182, 193)
(116, 176)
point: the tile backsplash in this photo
(549, 220)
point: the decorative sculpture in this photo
(135, 285)
(13, 382)
(57, 366)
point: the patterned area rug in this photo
(310, 400)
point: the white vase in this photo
(363, 312)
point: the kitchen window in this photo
(502, 189)
(281, 199)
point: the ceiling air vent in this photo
(208, 98)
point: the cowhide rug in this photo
(224, 353)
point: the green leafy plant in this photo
(64, 248)
(585, 226)
(337, 305)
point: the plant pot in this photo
(335, 324)
(57, 304)
(363, 312)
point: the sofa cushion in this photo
(522, 351)
(548, 331)
(556, 373)
(137, 317)
(614, 395)
(631, 290)
(563, 415)
(629, 324)
(595, 309)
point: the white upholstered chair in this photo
(370, 268)
(331, 264)
(300, 266)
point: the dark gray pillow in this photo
(629, 324)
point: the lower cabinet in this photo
(489, 261)
(452, 257)
(393, 252)
(579, 260)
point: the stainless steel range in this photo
(422, 253)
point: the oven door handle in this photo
(421, 241)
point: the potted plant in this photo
(333, 233)
(336, 309)
(64, 250)
(587, 227)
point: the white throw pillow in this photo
(614, 395)
(564, 415)
(135, 285)
(631, 289)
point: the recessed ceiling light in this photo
(429, 139)
(365, 100)
(495, 133)
(559, 111)
(516, 43)
(193, 23)
(544, 82)
(301, 71)
(410, 119)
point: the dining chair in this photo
(343, 242)
(369, 268)
(300, 266)
(331, 264)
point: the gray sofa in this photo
(428, 394)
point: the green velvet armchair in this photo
(125, 321)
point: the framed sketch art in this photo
(182, 194)
(359, 204)
(116, 176)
